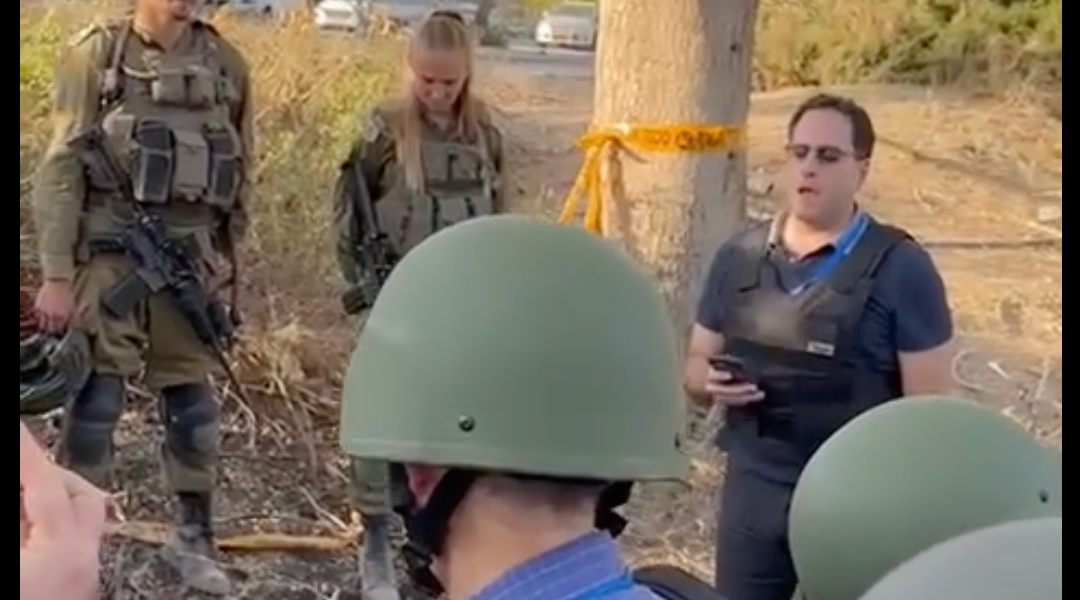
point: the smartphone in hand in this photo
(733, 365)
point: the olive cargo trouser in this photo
(155, 336)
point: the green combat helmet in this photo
(905, 476)
(52, 370)
(1014, 561)
(506, 344)
(513, 345)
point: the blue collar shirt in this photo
(588, 568)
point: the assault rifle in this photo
(162, 264)
(374, 252)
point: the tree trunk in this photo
(483, 14)
(667, 62)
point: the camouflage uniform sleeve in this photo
(242, 115)
(60, 184)
(359, 180)
(498, 161)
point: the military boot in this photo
(191, 551)
(378, 568)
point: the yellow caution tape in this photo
(661, 138)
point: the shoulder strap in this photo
(753, 245)
(673, 583)
(867, 255)
(207, 26)
(209, 36)
(112, 83)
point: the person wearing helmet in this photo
(424, 160)
(1019, 559)
(906, 476)
(523, 376)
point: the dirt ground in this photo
(976, 179)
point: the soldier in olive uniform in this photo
(424, 161)
(516, 455)
(172, 100)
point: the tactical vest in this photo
(168, 123)
(459, 184)
(802, 351)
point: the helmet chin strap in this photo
(426, 527)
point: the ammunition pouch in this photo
(154, 162)
(192, 166)
(191, 171)
(226, 170)
(458, 183)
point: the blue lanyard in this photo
(843, 247)
(609, 587)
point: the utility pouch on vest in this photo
(170, 87)
(152, 169)
(191, 174)
(201, 87)
(225, 168)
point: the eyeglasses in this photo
(826, 155)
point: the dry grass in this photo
(926, 42)
(975, 177)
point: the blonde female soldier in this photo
(425, 160)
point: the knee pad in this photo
(191, 416)
(87, 432)
(100, 402)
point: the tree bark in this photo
(483, 14)
(666, 62)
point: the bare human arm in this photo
(922, 320)
(706, 339)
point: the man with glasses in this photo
(804, 323)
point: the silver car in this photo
(568, 25)
(347, 15)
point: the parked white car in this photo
(568, 25)
(352, 15)
(247, 8)
(348, 15)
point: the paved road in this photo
(558, 63)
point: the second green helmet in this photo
(905, 476)
(512, 345)
(1019, 560)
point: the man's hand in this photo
(55, 305)
(722, 388)
(62, 521)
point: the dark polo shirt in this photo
(907, 310)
